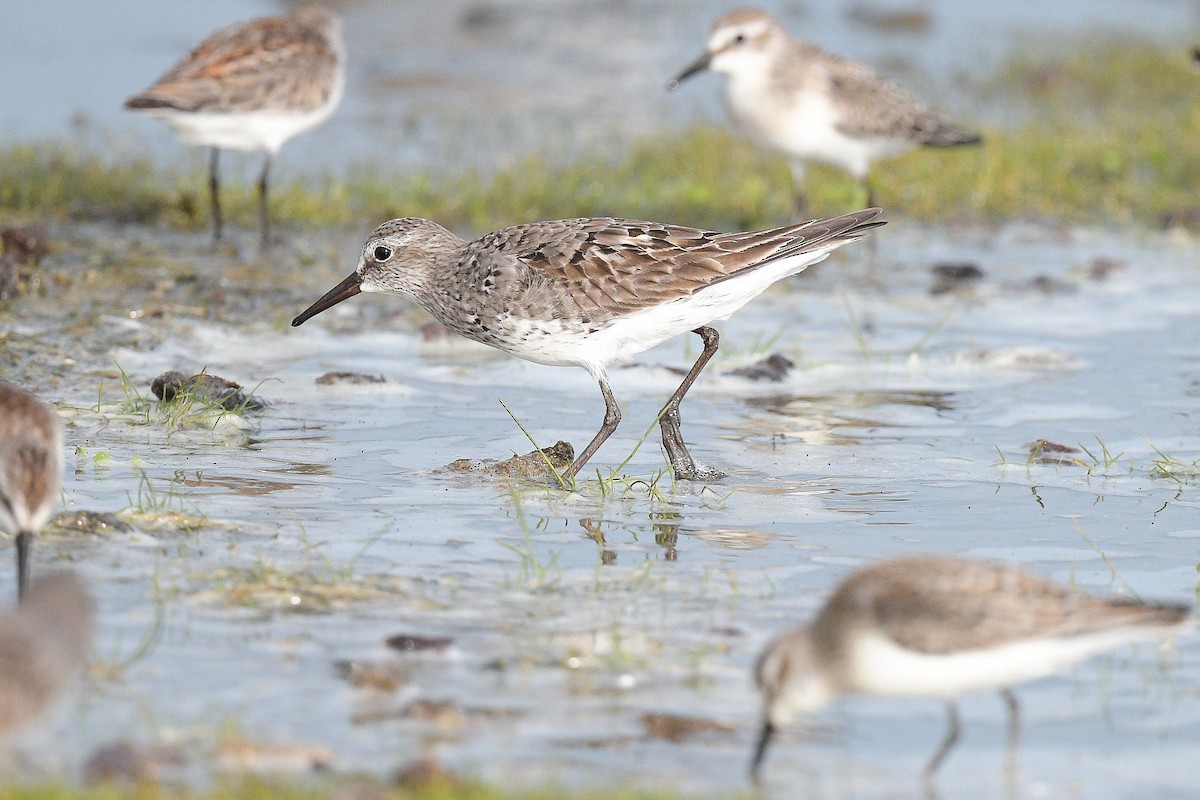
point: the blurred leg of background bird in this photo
(929, 776)
(214, 192)
(23, 541)
(1012, 765)
(869, 188)
(799, 200)
(264, 219)
(681, 460)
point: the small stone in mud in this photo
(349, 379)
(380, 676)
(949, 277)
(208, 389)
(773, 368)
(445, 713)
(678, 728)
(95, 522)
(407, 643)
(1101, 267)
(1044, 451)
(1047, 285)
(531, 466)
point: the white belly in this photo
(804, 127)
(250, 131)
(881, 667)
(621, 339)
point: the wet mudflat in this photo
(307, 583)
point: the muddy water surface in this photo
(558, 636)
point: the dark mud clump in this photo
(207, 389)
(410, 643)
(677, 728)
(349, 379)
(954, 277)
(382, 676)
(1044, 451)
(774, 368)
(93, 522)
(531, 466)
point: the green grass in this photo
(1108, 132)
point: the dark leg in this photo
(799, 200)
(23, 538)
(870, 188)
(214, 193)
(264, 219)
(612, 418)
(681, 461)
(947, 745)
(760, 749)
(1014, 740)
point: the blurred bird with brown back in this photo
(251, 87)
(792, 97)
(935, 626)
(44, 644)
(31, 465)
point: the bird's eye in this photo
(383, 253)
(741, 37)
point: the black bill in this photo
(343, 291)
(700, 65)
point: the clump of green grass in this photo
(156, 507)
(269, 587)
(1176, 469)
(191, 406)
(1109, 132)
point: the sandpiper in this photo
(590, 292)
(938, 627)
(251, 87)
(31, 465)
(44, 643)
(795, 98)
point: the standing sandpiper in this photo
(252, 87)
(31, 465)
(793, 97)
(44, 644)
(937, 627)
(590, 292)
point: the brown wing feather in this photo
(616, 266)
(940, 605)
(21, 413)
(265, 64)
(871, 106)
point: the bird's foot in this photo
(691, 471)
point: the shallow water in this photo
(904, 428)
